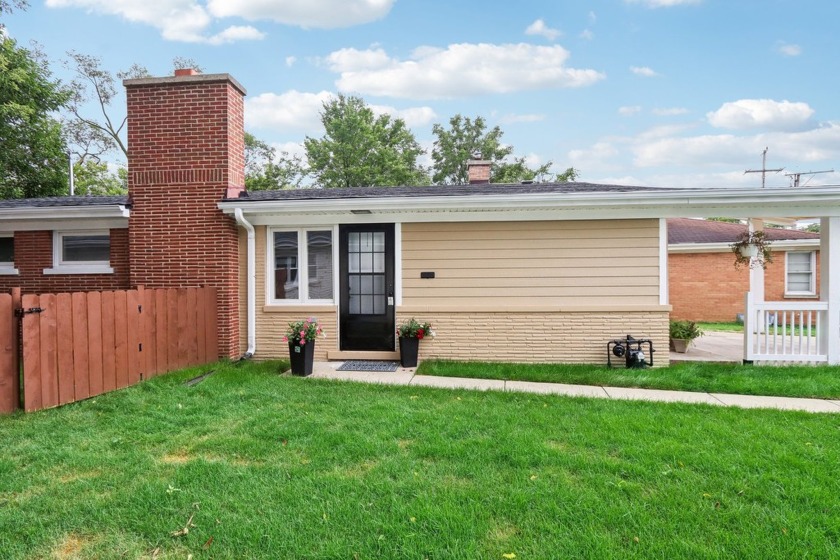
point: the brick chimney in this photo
(186, 153)
(478, 171)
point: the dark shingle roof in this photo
(63, 201)
(687, 230)
(437, 190)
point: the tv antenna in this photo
(764, 169)
(794, 177)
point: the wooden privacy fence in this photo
(78, 345)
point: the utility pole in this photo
(764, 169)
(794, 177)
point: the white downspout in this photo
(252, 284)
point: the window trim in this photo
(8, 268)
(77, 267)
(302, 266)
(813, 290)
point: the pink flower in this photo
(302, 342)
(285, 339)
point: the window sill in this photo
(8, 271)
(81, 269)
(290, 306)
(800, 296)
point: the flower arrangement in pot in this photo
(301, 336)
(411, 332)
(752, 249)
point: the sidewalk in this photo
(407, 376)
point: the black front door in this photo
(366, 301)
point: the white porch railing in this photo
(784, 331)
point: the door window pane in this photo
(319, 249)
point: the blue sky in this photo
(671, 93)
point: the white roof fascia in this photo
(780, 245)
(74, 217)
(740, 203)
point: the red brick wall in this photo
(34, 253)
(186, 152)
(707, 287)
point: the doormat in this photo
(368, 365)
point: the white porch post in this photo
(830, 286)
(756, 270)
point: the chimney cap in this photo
(186, 72)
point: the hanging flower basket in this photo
(752, 249)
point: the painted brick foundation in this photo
(186, 153)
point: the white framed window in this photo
(81, 252)
(7, 254)
(301, 265)
(800, 276)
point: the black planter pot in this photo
(302, 358)
(408, 351)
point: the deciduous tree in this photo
(33, 161)
(265, 169)
(360, 149)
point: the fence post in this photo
(748, 327)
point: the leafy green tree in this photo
(91, 177)
(360, 149)
(33, 158)
(465, 139)
(266, 170)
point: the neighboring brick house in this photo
(537, 272)
(704, 284)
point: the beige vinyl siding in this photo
(546, 264)
(273, 320)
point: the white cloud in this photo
(761, 113)
(524, 118)
(458, 70)
(663, 3)
(291, 110)
(236, 33)
(593, 17)
(189, 20)
(177, 20)
(290, 61)
(671, 156)
(643, 71)
(413, 116)
(629, 110)
(669, 111)
(587, 34)
(788, 49)
(324, 14)
(295, 110)
(540, 28)
(355, 60)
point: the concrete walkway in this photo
(407, 376)
(714, 346)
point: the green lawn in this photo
(249, 464)
(785, 381)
